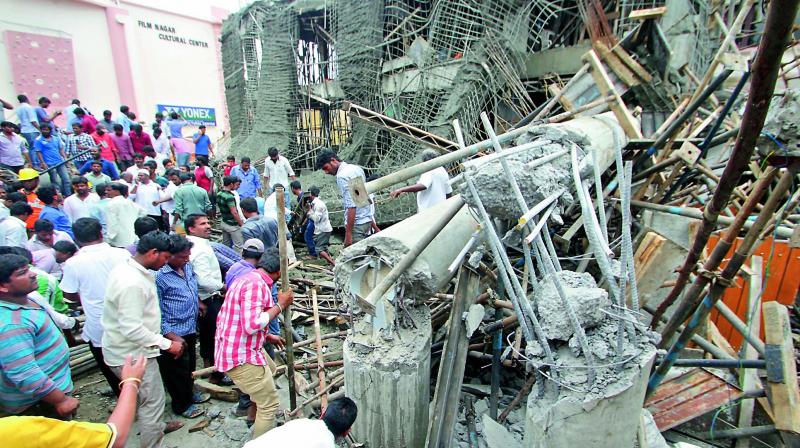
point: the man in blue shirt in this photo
(251, 180)
(124, 120)
(52, 209)
(109, 168)
(202, 144)
(51, 152)
(43, 117)
(176, 283)
(28, 125)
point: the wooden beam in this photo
(783, 390)
(606, 87)
(219, 392)
(637, 68)
(649, 13)
(616, 65)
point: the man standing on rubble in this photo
(432, 187)
(358, 220)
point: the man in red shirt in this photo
(139, 138)
(88, 122)
(108, 150)
(242, 330)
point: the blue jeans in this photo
(308, 236)
(182, 159)
(30, 137)
(65, 186)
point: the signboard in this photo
(193, 114)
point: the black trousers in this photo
(111, 377)
(177, 375)
(207, 328)
(162, 225)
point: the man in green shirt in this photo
(96, 176)
(189, 198)
(231, 224)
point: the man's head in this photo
(340, 415)
(64, 250)
(29, 178)
(118, 130)
(20, 210)
(45, 129)
(245, 163)
(144, 225)
(231, 182)
(252, 250)
(273, 154)
(159, 117)
(327, 161)
(173, 115)
(249, 207)
(45, 232)
(124, 110)
(77, 129)
(151, 167)
(13, 198)
(181, 251)
(118, 189)
(174, 177)
(137, 128)
(127, 177)
(44, 102)
(201, 162)
(270, 263)
(138, 159)
(143, 176)
(198, 225)
(149, 151)
(153, 250)
(100, 129)
(7, 127)
(314, 191)
(185, 177)
(107, 115)
(81, 186)
(102, 189)
(184, 168)
(49, 195)
(296, 187)
(80, 113)
(231, 160)
(22, 98)
(202, 129)
(168, 164)
(76, 102)
(87, 231)
(96, 167)
(16, 279)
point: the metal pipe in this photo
(739, 433)
(741, 327)
(720, 363)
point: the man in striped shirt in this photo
(34, 358)
(242, 330)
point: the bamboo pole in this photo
(320, 357)
(287, 313)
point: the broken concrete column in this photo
(387, 355)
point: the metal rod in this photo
(720, 363)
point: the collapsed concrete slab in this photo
(586, 299)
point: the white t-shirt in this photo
(134, 170)
(145, 195)
(303, 432)
(278, 172)
(77, 208)
(12, 232)
(436, 188)
(169, 192)
(86, 274)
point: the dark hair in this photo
(44, 99)
(157, 131)
(156, 239)
(231, 157)
(179, 243)
(120, 187)
(77, 125)
(106, 112)
(167, 160)
(6, 124)
(10, 263)
(43, 225)
(184, 177)
(272, 151)
(78, 111)
(65, 247)
(173, 115)
(201, 161)
(97, 162)
(276, 185)
(20, 208)
(144, 225)
(314, 191)
(76, 101)
(159, 115)
(135, 127)
(138, 155)
(124, 109)
(324, 156)
(202, 126)
(16, 196)
(151, 164)
(148, 148)
(230, 180)
(117, 127)
(271, 260)
(247, 253)
(191, 220)
(22, 98)
(45, 125)
(47, 194)
(295, 185)
(245, 160)
(340, 415)
(79, 180)
(100, 189)
(15, 250)
(249, 205)
(87, 230)
(172, 172)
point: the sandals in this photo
(199, 397)
(192, 412)
(173, 426)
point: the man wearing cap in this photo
(144, 193)
(30, 182)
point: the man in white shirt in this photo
(138, 164)
(318, 212)
(12, 228)
(79, 204)
(146, 194)
(209, 284)
(432, 187)
(167, 197)
(120, 215)
(335, 423)
(132, 325)
(277, 170)
(85, 280)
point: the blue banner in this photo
(193, 114)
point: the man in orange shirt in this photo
(30, 181)
(108, 150)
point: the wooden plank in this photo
(628, 60)
(785, 394)
(606, 87)
(649, 13)
(748, 377)
(219, 392)
(719, 340)
(616, 65)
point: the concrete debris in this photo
(473, 318)
(589, 302)
(496, 435)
